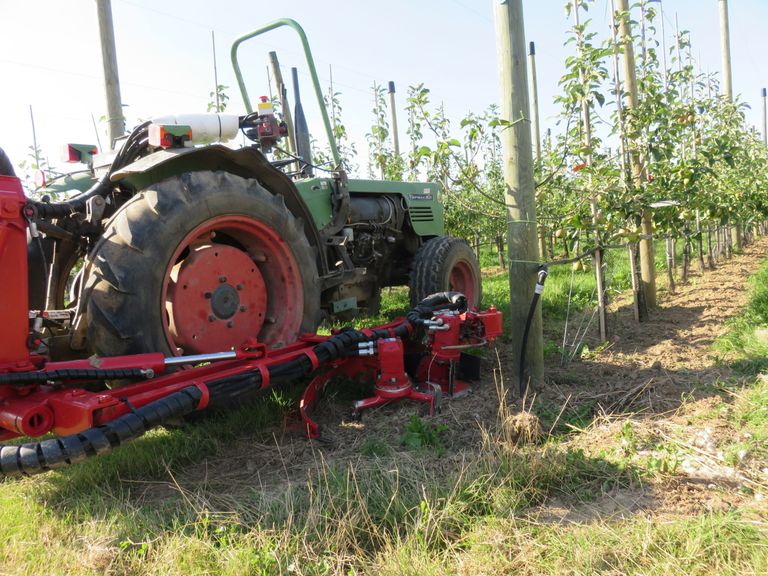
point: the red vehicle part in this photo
(435, 375)
(215, 295)
(38, 397)
(14, 352)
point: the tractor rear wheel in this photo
(200, 263)
(445, 264)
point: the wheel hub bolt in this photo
(222, 279)
(243, 308)
(207, 295)
(211, 318)
(230, 324)
(239, 286)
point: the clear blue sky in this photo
(50, 57)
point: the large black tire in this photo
(445, 263)
(138, 263)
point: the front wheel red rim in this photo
(463, 279)
(231, 279)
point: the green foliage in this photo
(218, 99)
(36, 162)
(346, 148)
(695, 148)
(422, 435)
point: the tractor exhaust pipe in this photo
(303, 148)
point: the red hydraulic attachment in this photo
(57, 404)
(14, 351)
(382, 361)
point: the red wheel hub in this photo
(233, 278)
(218, 295)
(462, 279)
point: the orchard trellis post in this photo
(115, 119)
(519, 190)
(763, 98)
(536, 128)
(640, 309)
(647, 263)
(725, 40)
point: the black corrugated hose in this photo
(37, 457)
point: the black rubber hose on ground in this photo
(542, 277)
(37, 457)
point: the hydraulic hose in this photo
(43, 376)
(542, 277)
(38, 457)
(226, 390)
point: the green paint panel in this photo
(316, 193)
(79, 181)
(421, 198)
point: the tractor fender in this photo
(247, 162)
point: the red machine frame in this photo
(59, 402)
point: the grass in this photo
(746, 343)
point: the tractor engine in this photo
(374, 228)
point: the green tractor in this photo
(179, 248)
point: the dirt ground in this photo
(657, 373)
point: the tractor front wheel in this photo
(445, 264)
(201, 263)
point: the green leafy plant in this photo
(422, 435)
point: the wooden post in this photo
(535, 104)
(215, 73)
(115, 119)
(694, 151)
(587, 140)
(725, 45)
(647, 263)
(500, 249)
(671, 265)
(639, 306)
(519, 195)
(763, 96)
(393, 119)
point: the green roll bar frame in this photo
(312, 71)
